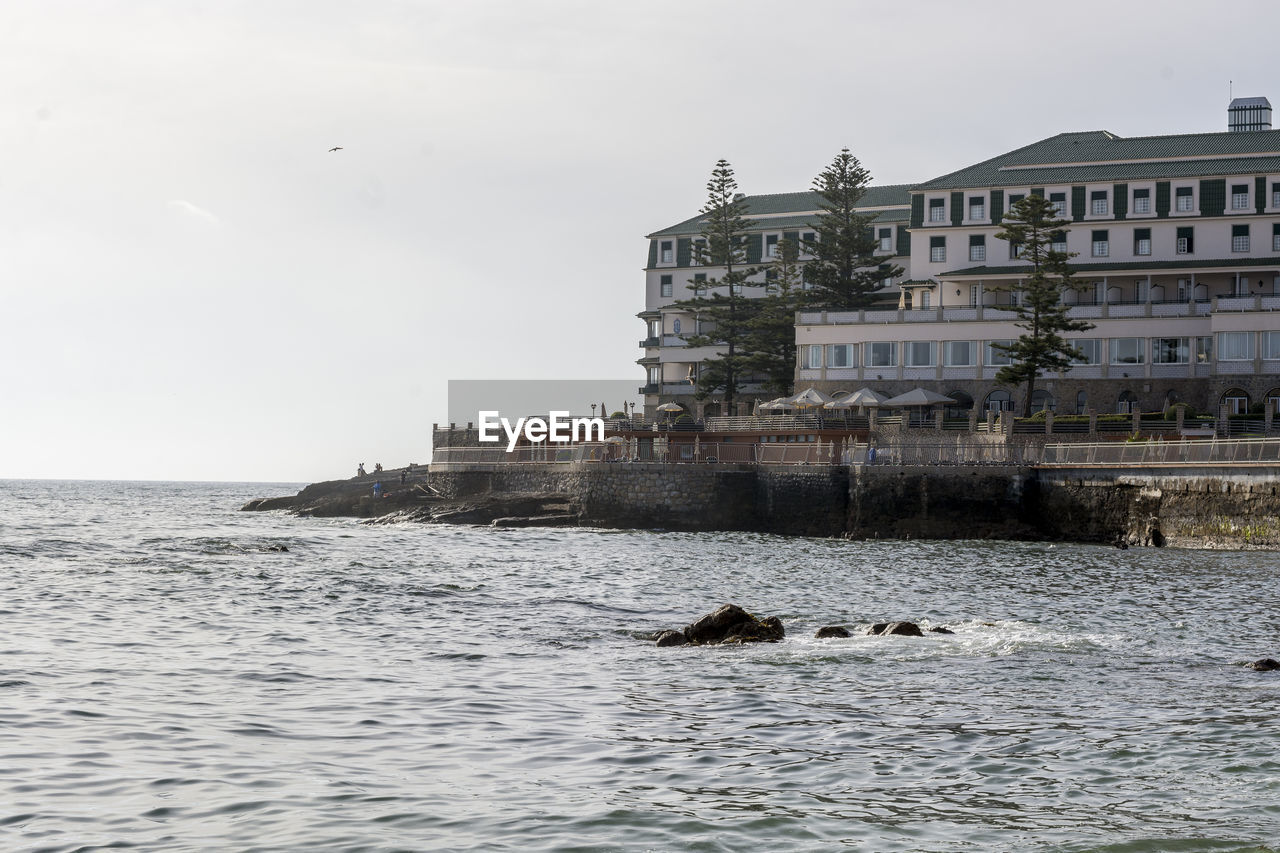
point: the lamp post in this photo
(593, 410)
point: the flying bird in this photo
(335, 148)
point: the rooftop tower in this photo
(1249, 114)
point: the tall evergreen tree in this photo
(723, 310)
(1031, 225)
(844, 270)
(772, 339)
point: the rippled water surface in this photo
(171, 680)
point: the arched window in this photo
(1082, 402)
(961, 407)
(1273, 401)
(1126, 402)
(998, 401)
(1236, 400)
(1041, 399)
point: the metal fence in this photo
(1236, 451)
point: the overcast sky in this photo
(194, 287)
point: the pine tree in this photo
(723, 311)
(844, 271)
(1030, 226)
(772, 340)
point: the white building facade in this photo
(1177, 243)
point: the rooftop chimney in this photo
(1249, 114)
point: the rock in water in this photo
(938, 629)
(1265, 665)
(672, 638)
(732, 624)
(832, 631)
(902, 629)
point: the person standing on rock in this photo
(360, 470)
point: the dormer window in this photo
(1099, 202)
(937, 210)
(1142, 201)
(886, 239)
(977, 208)
(667, 254)
(1185, 199)
(771, 245)
(1059, 202)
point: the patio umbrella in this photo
(774, 404)
(671, 407)
(918, 397)
(862, 398)
(810, 398)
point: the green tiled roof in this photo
(803, 206)
(1217, 263)
(1101, 156)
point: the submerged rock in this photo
(901, 629)
(728, 625)
(938, 629)
(1264, 665)
(832, 631)
(672, 638)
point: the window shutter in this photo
(917, 210)
(977, 240)
(653, 253)
(683, 246)
(792, 237)
(754, 248)
(1120, 200)
(1142, 233)
(1260, 194)
(1077, 203)
(937, 242)
(1038, 191)
(904, 241)
(1162, 199)
(1213, 197)
(1239, 230)
(997, 206)
(957, 208)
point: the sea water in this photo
(177, 675)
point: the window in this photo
(1088, 351)
(1186, 242)
(925, 297)
(699, 254)
(699, 283)
(1101, 245)
(665, 285)
(1171, 351)
(1142, 241)
(1204, 349)
(1186, 198)
(840, 355)
(937, 210)
(977, 208)
(1271, 345)
(771, 245)
(1239, 238)
(1275, 237)
(1015, 251)
(655, 375)
(667, 256)
(813, 356)
(919, 353)
(1014, 198)
(937, 249)
(1239, 196)
(1099, 200)
(993, 357)
(1058, 242)
(977, 247)
(965, 353)
(886, 239)
(1235, 346)
(1275, 195)
(882, 354)
(1142, 201)
(1128, 350)
(1059, 202)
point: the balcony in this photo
(649, 342)
(651, 388)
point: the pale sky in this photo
(195, 288)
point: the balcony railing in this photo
(1087, 310)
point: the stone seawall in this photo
(1206, 508)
